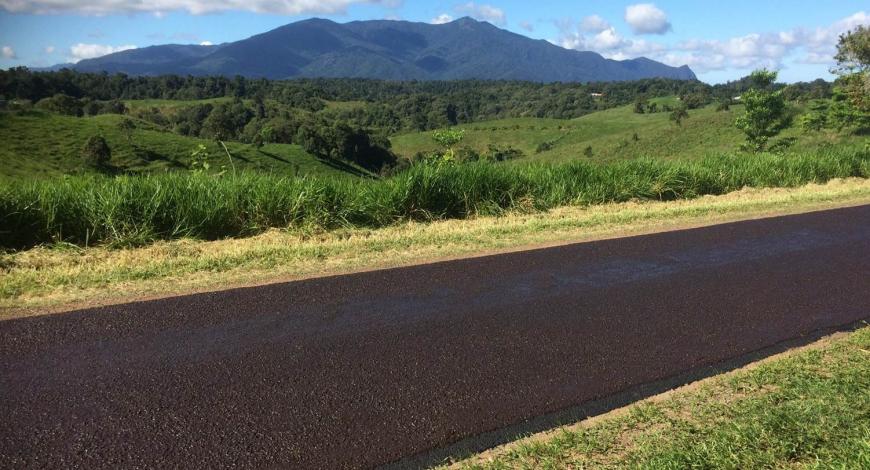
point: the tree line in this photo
(387, 105)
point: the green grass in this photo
(610, 133)
(39, 144)
(807, 410)
(64, 276)
(139, 209)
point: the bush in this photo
(544, 147)
(497, 153)
(62, 104)
(96, 152)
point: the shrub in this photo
(678, 115)
(544, 147)
(96, 152)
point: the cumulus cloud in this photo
(196, 7)
(483, 12)
(8, 52)
(206, 43)
(770, 49)
(646, 18)
(593, 24)
(89, 51)
(442, 19)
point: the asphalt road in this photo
(365, 369)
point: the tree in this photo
(640, 105)
(694, 100)
(226, 120)
(96, 152)
(447, 139)
(816, 119)
(851, 101)
(62, 104)
(678, 114)
(266, 135)
(126, 126)
(765, 111)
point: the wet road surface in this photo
(366, 369)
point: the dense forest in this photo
(416, 105)
(260, 111)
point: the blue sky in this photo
(719, 40)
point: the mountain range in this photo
(384, 49)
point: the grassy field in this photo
(40, 144)
(55, 276)
(610, 134)
(808, 408)
(140, 209)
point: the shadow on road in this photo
(476, 444)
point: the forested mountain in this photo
(390, 50)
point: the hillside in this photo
(393, 50)
(45, 144)
(610, 134)
(40, 144)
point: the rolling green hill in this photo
(40, 144)
(610, 134)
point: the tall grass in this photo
(138, 209)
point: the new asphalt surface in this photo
(366, 369)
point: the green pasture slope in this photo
(610, 134)
(40, 144)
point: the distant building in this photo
(596, 95)
(736, 98)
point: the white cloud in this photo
(206, 43)
(483, 12)
(771, 50)
(593, 24)
(528, 26)
(8, 52)
(442, 19)
(89, 51)
(646, 18)
(607, 40)
(822, 42)
(196, 7)
(49, 49)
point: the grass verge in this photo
(59, 277)
(806, 408)
(135, 210)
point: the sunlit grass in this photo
(62, 274)
(133, 210)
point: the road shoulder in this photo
(62, 278)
